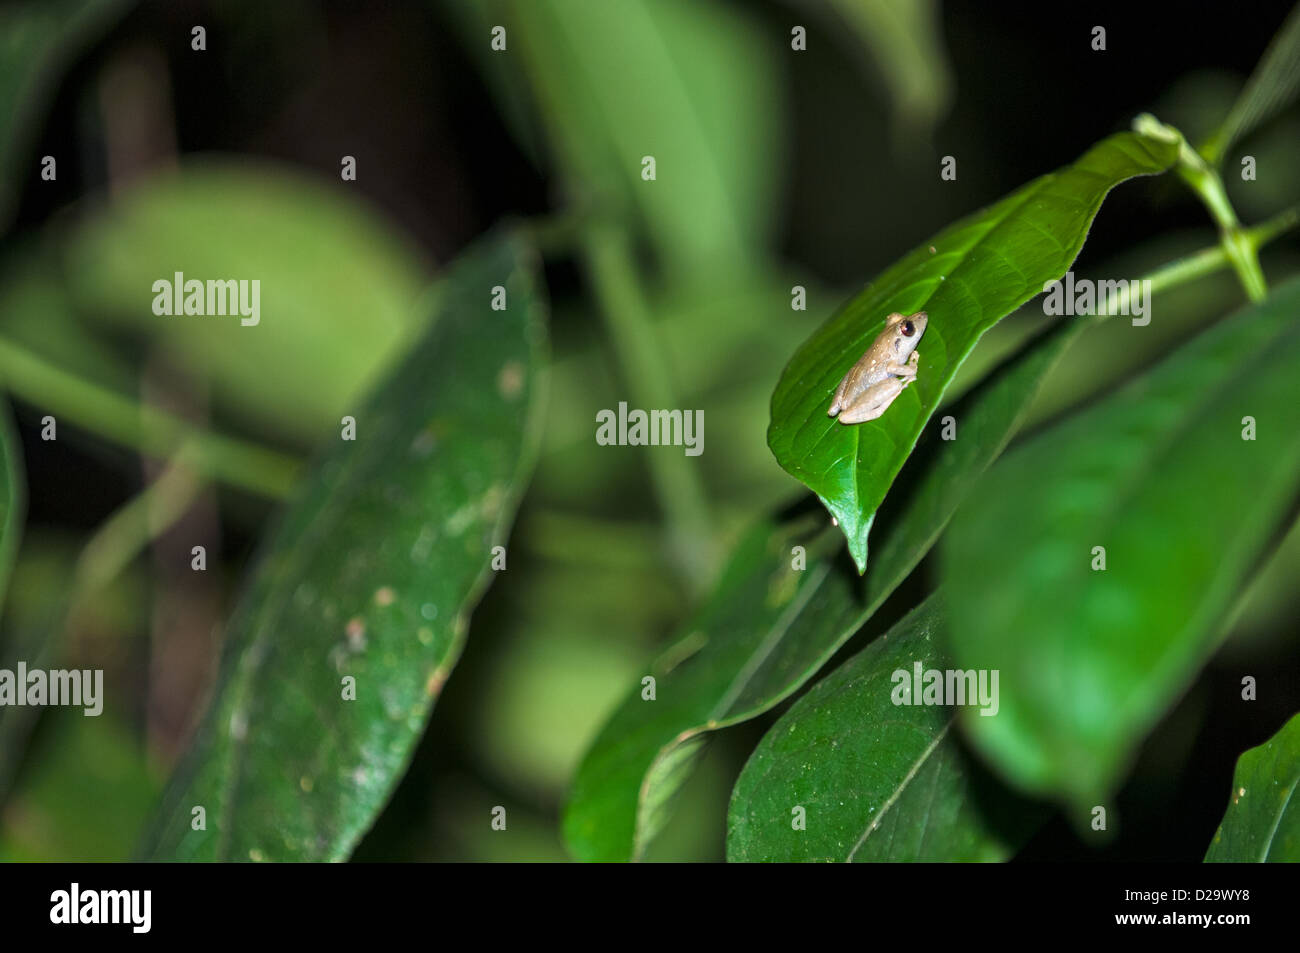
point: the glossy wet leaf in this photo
(1160, 477)
(768, 628)
(1262, 822)
(372, 575)
(38, 40)
(967, 278)
(879, 775)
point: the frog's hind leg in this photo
(882, 395)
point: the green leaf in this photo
(967, 278)
(1267, 604)
(85, 791)
(13, 496)
(878, 779)
(37, 313)
(372, 574)
(38, 40)
(768, 627)
(1271, 88)
(14, 721)
(338, 286)
(904, 40)
(1160, 476)
(34, 620)
(1262, 822)
(688, 82)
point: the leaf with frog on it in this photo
(370, 577)
(967, 278)
(769, 627)
(878, 772)
(1262, 822)
(1096, 566)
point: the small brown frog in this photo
(880, 375)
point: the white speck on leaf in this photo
(459, 521)
(424, 443)
(424, 543)
(511, 380)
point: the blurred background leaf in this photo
(372, 575)
(903, 40)
(338, 287)
(13, 501)
(690, 84)
(38, 311)
(13, 497)
(1270, 89)
(50, 814)
(38, 40)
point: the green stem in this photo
(607, 254)
(117, 541)
(1261, 235)
(147, 429)
(135, 524)
(1207, 260)
(1205, 182)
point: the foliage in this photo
(1095, 508)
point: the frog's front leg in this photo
(906, 371)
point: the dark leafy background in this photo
(817, 169)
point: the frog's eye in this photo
(908, 329)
